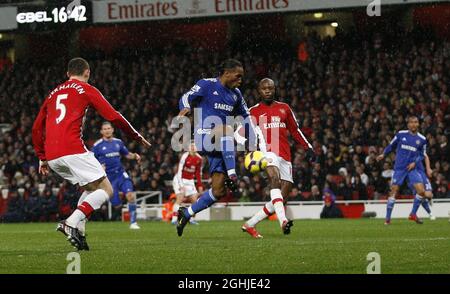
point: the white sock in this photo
(97, 198)
(82, 226)
(261, 214)
(277, 201)
(176, 206)
(94, 201)
(75, 218)
(83, 196)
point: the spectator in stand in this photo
(15, 212)
(315, 193)
(330, 209)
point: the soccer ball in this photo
(255, 162)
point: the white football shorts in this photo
(285, 167)
(80, 169)
(188, 186)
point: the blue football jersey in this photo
(409, 148)
(109, 153)
(215, 102)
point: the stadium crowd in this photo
(350, 96)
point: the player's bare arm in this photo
(44, 168)
(184, 112)
(428, 166)
(134, 156)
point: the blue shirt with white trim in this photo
(109, 153)
(409, 148)
(214, 102)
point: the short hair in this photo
(107, 123)
(411, 116)
(228, 65)
(77, 66)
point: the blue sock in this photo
(228, 154)
(390, 207)
(416, 204)
(132, 210)
(204, 201)
(426, 205)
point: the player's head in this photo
(192, 148)
(231, 72)
(107, 130)
(79, 67)
(266, 89)
(413, 123)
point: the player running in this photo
(57, 140)
(218, 100)
(108, 151)
(189, 167)
(276, 120)
(410, 148)
(418, 200)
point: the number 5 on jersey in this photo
(60, 106)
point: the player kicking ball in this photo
(57, 141)
(218, 101)
(275, 120)
(410, 148)
(108, 151)
(189, 167)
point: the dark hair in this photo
(228, 65)
(411, 116)
(77, 66)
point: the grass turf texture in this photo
(314, 246)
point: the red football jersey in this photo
(57, 130)
(275, 121)
(190, 167)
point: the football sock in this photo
(416, 204)
(176, 206)
(93, 201)
(206, 200)
(77, 216)
(82, 197)
(228, 154)
(277, 201)
(266, 211)
(132, 210)
(390, 207)
(82, 226)
(426, 205)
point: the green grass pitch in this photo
(314, 246)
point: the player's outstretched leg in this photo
(229, 159)
(249, 227)
(251, 231)
(183, 219)
(184, 214)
